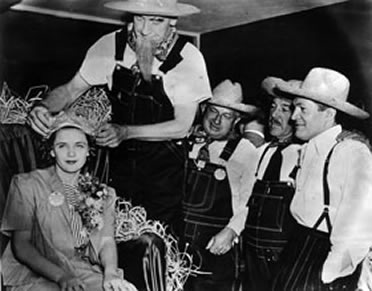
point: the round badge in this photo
(219, 174)
(56, 199)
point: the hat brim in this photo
(180, 9)
(343, 106)
(270, 84)
(242, 108)
(69, 124)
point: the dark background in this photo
(36, 49)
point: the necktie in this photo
(272, 172)
(203, 154)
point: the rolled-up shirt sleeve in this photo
(351, 235)
(188, 81)
(243, 188)
(99, 61)
(19, 208)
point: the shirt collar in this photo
(275, 142)
(324, 141)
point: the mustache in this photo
(275, 121)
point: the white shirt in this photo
(187, 82)
(240, 170)
(350, 184)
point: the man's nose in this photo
(146, 28)
(217, 119)
(294, 114)
(275, 113)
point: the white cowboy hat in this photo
(321, 85)
(153, 7)
(269, 85)
(230, 95)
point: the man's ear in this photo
(52, 154)
(203, 107)
(173, 22)
(331, 113)
(238, 117)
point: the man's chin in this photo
(275, 131)
(301, 134)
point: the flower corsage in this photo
(91, 202)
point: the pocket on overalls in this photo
(266, 212)
(198, 195)
(148, 108)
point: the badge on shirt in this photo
(220, 174)
(56, 199)
(200, 164)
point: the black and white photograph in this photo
(185, 145)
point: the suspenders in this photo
(261, 158)
(229, 149)
(325, 213)
(120, 44)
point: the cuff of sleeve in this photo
(340, 264)
(237, 222)
(236, 227)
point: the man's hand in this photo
(40, 120)
(222, 242)
(111, 135)
(71, 283)
(112, 282)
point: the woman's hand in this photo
(71, 283)
(113, 282)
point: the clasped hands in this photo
(222, 242)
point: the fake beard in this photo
(145, 49)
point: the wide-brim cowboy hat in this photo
(168, 8)
(321, 85)
(230, 95)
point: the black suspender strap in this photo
(229, 149)
(174, 57)
(120, 44)
(325, 213)
(261, 158)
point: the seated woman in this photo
(51, 247)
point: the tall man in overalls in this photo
(332, 204)
(269, 223)
(219, 176)
(156, 81)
